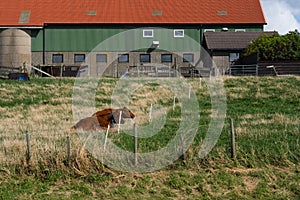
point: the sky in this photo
(281, 15)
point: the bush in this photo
(276, 47)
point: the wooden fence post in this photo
(232, 139)
(135, 143)
(28, 153)
(183, 147)
(68, 150)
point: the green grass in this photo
(266, 116)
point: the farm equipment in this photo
(13, 73)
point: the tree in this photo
(276, 47)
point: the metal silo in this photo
(15, 48)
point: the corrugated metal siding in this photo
(77, 39)
(36, 40)
(87, 38)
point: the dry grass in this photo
(49, 122)
(265, 166)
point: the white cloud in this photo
(295, 6)
(281, 15)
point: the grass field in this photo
(266, 114)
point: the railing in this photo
(152, 71)
(5, 71)
(243, 70)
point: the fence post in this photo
(232, 139)
(119, 124)
(174, 103)
(200, 84)
(150, 113)
(183, 147)
(28, 153)
(256, 68)
(105, 141)
(68, 150)
(106, 134)
(135, 143)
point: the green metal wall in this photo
(85, 38)
(37, 40)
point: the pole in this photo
(232, 139)
(135, 143)
(42, 72)
(28, 147)
(119, 124)
(200, 82)
(68, 150)
(150, 113)
(174, 102)
(106, 134)
(104, 146)
(183, 147)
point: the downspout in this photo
(201, 34)
(44, 45)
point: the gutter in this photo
(21, 27)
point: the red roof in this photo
(130, 12)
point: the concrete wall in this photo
(112, 67)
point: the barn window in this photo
(145, 58)
(209, 30)
(234, 57)
(188, 57)
(240, 30)
(178, 33)
(148, 33)
(101, 58)
(57, 58)
(79, 58)
(166, 58)
(123, 58)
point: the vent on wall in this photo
(24, 17)
(221, 12)
(156, 13)
(91, 12)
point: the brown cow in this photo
(102, 119)
(87, 124)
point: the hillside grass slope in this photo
(266, 114)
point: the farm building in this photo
(226, 48)
(114, 36)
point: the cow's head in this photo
(126, 113)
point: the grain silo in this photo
(15, 48)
